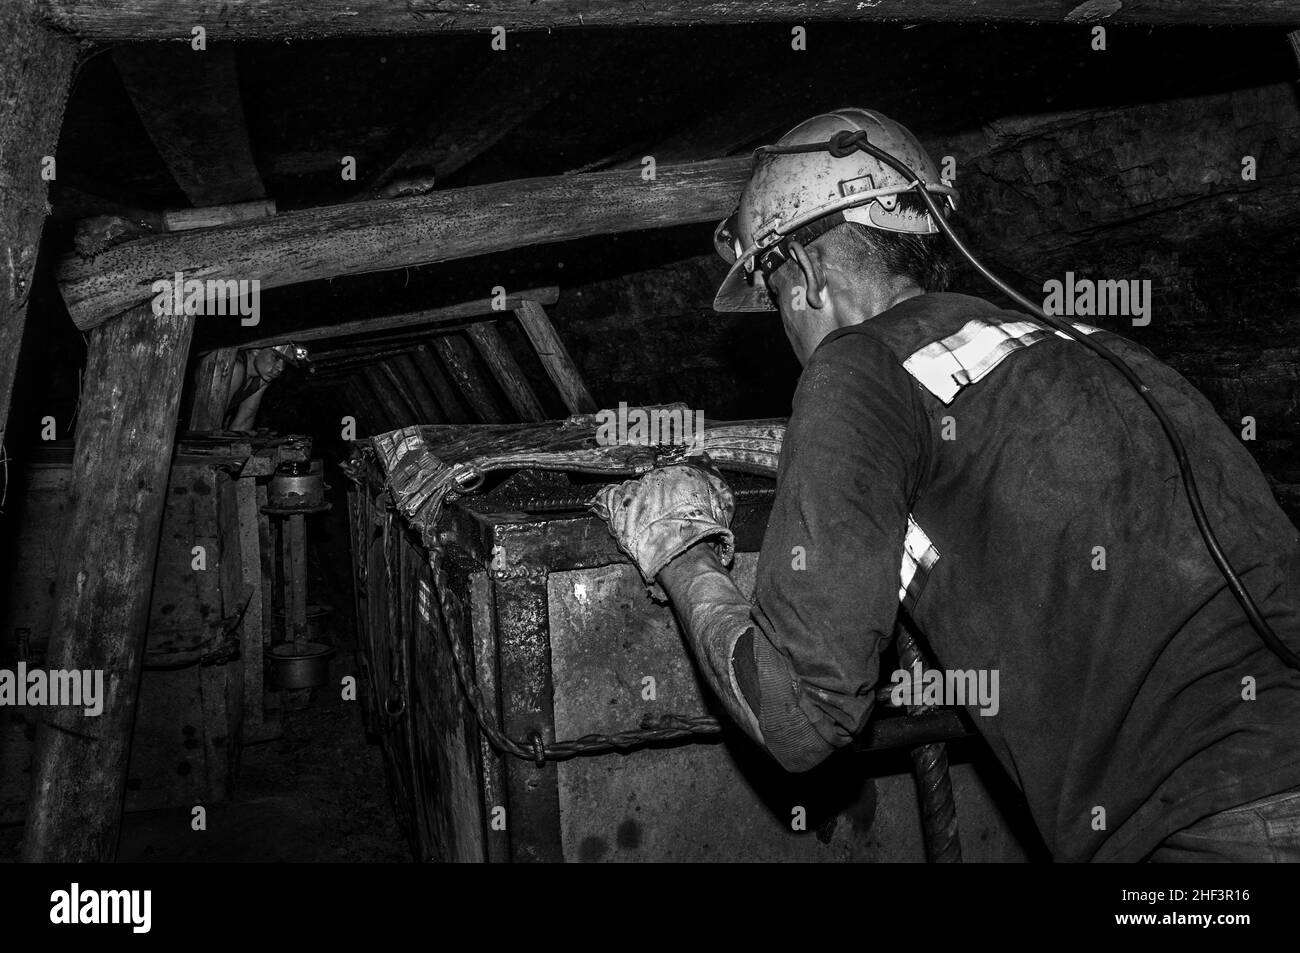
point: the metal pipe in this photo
(930, 764)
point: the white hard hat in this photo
(803, 195)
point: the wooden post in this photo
(211, 380)
(555, 358)
(36, 67)
(125, 438)
(241, 588)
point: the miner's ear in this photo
(814, 275)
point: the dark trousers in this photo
(1263, 831)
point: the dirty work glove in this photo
(667, 511)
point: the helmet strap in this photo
(772, 258)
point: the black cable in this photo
(843, 143)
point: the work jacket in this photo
(1012, 493)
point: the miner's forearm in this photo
(716, 616)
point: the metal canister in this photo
(297, 485)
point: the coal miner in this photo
(1010, 491)
(255, 371)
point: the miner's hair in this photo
(926, 259)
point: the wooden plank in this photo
(399, 387)
(358, 405)
(72, 204)
(371, 408)
(435, 375)
(413, 319)
(506, 369)
(211, 379)
(555, 358)
(418, 387)
(458, 357)
(393, 413)
(185, 219)
(189, 103)
(36, 68)
(119, 473)
(332, 241)
(251, 633)
(510, 91)
(327, 361)
(260, 20)
(272, 721)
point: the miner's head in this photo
(829, 240)
(268, 363)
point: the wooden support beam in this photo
(261, 20)
(506, 369)
(405, 397)
(418, 388)
(458, 357)
(392, 410)
(241, 595)
(360, 405)
(436, 376)
(412, 319)
(189, 103)
(72, 204)
(211, 389)
(329, 360)
(510, 91)
(210, 216)
(251, 631)
(329, 242)
(123, 453)
(36, 68)
(555, 358)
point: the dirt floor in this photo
(314, 794)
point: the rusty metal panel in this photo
(719, 801)
(524, 660)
